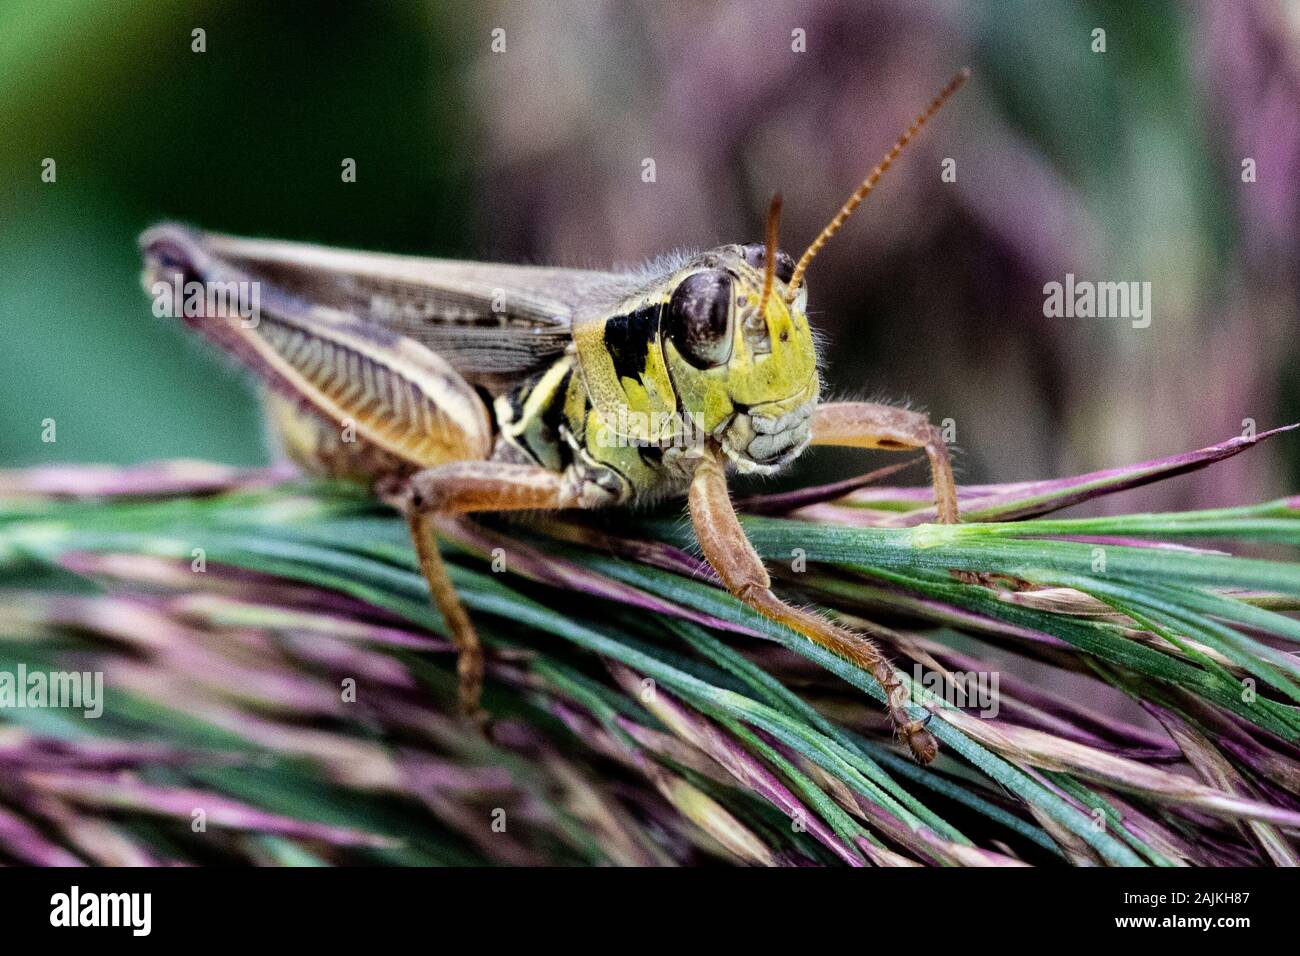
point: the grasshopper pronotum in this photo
(452, 387)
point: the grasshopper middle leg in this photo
(460, 488)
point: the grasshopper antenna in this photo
(870, 182)
(769, 257)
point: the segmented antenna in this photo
(769, 260)
(870, 182)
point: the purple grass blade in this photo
(786, 501)
(29, 752)
(118, 568)
(122, 793)
(654, 553)
(747, 769)
(218, 610)
(24, 842)
(1027, 702)
(965, 855)
(1030, 499)
(1156, 835)
(99, 841)
(882, 856)
(1027, 746)
(1217, 772)
(557, 572)
(152, 480)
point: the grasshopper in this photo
(450, 388)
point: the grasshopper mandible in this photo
(451, 387)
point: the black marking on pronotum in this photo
(554, 419)
(540, 440)
(516, 398)
(628, 338)
(553, 414)
(551, 418)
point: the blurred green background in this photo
(1122, 165)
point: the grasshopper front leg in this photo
(870, 425)
(460, 488)
(731, 555)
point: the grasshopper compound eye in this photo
(699, 318)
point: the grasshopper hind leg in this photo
(353, 399)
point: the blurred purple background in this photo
(1117, 166)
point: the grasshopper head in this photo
(743, 363)
(738, 342)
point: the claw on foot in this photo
(919, 740)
